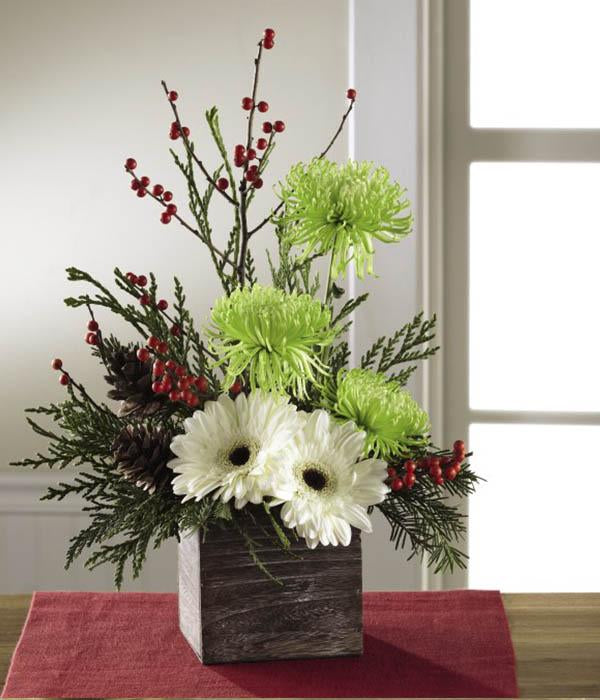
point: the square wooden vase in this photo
(230, 611)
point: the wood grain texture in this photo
(556, 638)
(229, 610)
(557, 642)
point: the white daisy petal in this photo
(239, 449)
(328, 491)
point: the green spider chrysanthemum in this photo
(273, 335)
(341, 208)
(392, 419)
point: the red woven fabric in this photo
(446, 644)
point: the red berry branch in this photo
(280, 126)
(438, 468)
(250, 172)
(164, 197)
(184, 132)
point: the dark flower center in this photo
(314, 478)
(239, 456)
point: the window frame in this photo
(449, 144)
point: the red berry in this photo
(391, 472)
(410, 466)
(258, 183)
(144, 300)
(173, 96)
(222, 183)
(236, 387)
(143, 354)
(157, 387)
(158, 368)
(168, 196)
(279, 126)
(184, 383)
(91, 339)
(409, 480)
(439, 481)
(435, 472)
(456, 466)
(131, 164)
(186, 131)
(261, 144)
(171, 365)
(142, 280)
(191, 399)
(165, 218)
(247, 103)
(167, 385)
(153, 342)
(141, 192)
(239, 150)
(175, 330)
(174, 395)
(171, 209)
(163, 347)
(63, 379)
(201, 384)
(351, 94)
(450, 474)
(157, 190)
(135, 184)
(267, 127)
(145, 180)
(179, 370)
(239, 162)
(93, 326)
(174, 134)
(56, 363)
(434, 462)
(250, 174)
(268, 43)
(162, 304)
(250, 154)
(269, 33)
(262, 106)
(459, 447)
(131, 277)
(397, 484)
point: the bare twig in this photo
(323, 153)
(190, 150)
(241, 268)
(185, 224)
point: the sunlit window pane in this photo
(531, 522)
(534, 63)
(535, 286)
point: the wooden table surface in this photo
(556, 638)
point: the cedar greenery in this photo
(125, 518)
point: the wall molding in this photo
(21, 493)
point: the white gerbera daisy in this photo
(328, 490)
(236, 448)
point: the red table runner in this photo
(438, 644)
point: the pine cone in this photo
(132, 382)
(141, 455)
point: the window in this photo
(521, 251)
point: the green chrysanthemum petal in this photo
(341, 208)
(392, 419)
(273, 335)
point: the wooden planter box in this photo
(229, 611)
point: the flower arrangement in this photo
(255, 410)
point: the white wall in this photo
(82, 92)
